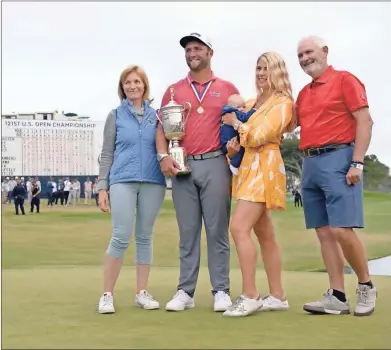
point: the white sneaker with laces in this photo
(106, 304)
(244, 306)
(146, 301)
(271, 303)
(180, 302)
(366, 300)
(222, 301)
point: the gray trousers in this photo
(204, 194)
(29, 197)
(4, 195)
(132, 202)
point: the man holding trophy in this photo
(201, 179)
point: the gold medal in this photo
(200, 110)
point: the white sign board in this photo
(50, 147)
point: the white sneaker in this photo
(180, 302)
(244, 306)
(106, 304)
(146, 301)
(222, 301)
(366, 300)
(271, 303)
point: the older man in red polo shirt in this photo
(205, 193)
(336, 129)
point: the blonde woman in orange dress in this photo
(260, 185)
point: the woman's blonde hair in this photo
(278, 79)
(278, 76)
(143, 76)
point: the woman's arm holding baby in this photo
(272, 124)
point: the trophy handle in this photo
(157, 116)
(188, 113)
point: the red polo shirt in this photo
(325, 108)
(202, 131)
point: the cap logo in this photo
(196, 34)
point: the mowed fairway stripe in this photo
(56, 308)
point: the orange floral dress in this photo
(261, 177)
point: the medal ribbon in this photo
(200, 96)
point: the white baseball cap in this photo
(195, 37)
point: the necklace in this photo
(259, 104)
(260, 101)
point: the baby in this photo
(235, 103)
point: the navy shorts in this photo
(327, 199)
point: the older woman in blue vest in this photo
(129, 169)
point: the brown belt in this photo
(317, 151)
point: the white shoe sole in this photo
(242, 314)
(106, 311)
(322, 311)
(236, 315)
(221, 309)
(147, 307)
(266, 309)
(189, 306)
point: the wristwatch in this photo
(237, 124)
(358, 165)
(160, 156)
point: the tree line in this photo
(376, 174)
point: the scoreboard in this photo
(50, 147)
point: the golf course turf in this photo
(52, 280)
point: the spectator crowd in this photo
(62, 191)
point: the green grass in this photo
(67, 237)
(55, 308)
(52, 277)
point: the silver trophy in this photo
(173, 123)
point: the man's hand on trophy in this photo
(169, 166)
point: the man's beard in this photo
(201, 65)
(312, 68)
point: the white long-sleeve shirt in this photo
(28, 186)
(4, 187)
(88, 186)
(11, 185)
(67, 185)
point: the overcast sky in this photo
(68, 56)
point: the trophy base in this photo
(183, 171)
(179, 155)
